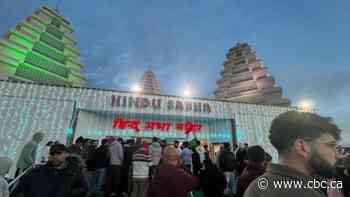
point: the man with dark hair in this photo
(176, 145)
(241, 157)
(227, 165)
(186, 156)
(307, 148)
(77, 148)
(56, 178)
(207, 158)
(254, 168)
(100, 161)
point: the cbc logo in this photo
(263, 183)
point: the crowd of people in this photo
(306, 144)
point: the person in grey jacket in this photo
(28, 154)
(114, 174)
(5, 165)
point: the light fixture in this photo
(135, 88)
(306, 106)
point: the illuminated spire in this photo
(41, 49)
(149, 83)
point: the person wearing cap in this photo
(56, 178)
(28, 154)
(255, 167)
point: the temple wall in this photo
(26, 108)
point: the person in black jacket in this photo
(99, 162)
(241, 155)
(212, 181)
(227, 165)
(196, 162)
(57, 178)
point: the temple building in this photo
(41, 49)
(149, 83)
(245, 79)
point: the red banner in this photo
(186, 127)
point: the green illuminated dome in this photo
(41, 49)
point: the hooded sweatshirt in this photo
(5, 165)
(117, 154)
(156, 152)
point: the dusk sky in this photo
(304, 44)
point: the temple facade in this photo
(149, 83)
(41, 49)
(245, 79)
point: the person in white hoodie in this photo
(156, 153)
(5, 165)
(114, 172)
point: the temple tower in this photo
(41, 49)
(245, 79)
(149, 83)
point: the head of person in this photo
(155, 139)
(5, 165)
(306, 138)
(130, 141)
(185, 144)
(120, 140)
(163, 142)
(176, 144)
(86, 142)
(79, 141)
(256, 154)
(246, 145)
(104, 142)
(38, 137)
(138, 141)
(94, 143)
(240, 145)
(227, 146)
(170, 156)
(58, 155)
(205, 147)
